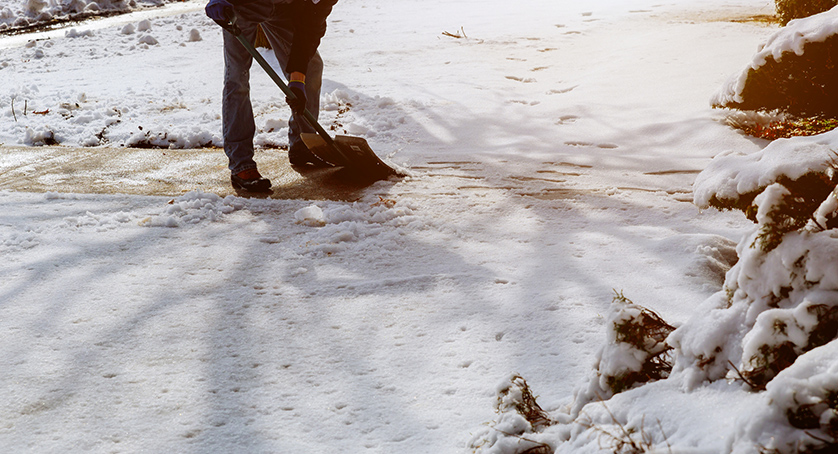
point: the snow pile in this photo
(98, 222)
(791, 38)
(193, 208)
(380, 223)
(16, 14)
(363, 117)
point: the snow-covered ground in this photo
(551, 150)
(18, 15)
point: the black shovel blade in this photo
(354, 154)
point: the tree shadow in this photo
(243, 336)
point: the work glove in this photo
(298, 105)
(219, 11)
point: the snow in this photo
(551, 158)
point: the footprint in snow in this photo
(567, 119)
(590, 144)
(526, 103)
(576, 143)
(558, 91)
(527, 80)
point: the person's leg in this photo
(237, 125)
(279, 31)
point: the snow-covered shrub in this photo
(793, 72)
(516, 395)
(800, 409)
(803, 165)
(517, 427)
(635, 352)
(639, 334)
(781, 299)
(788, 10)
(788, 206)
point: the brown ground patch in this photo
(159, 172)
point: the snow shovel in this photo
(352, 153)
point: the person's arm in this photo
(310, 26)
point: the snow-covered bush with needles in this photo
(778, 310)
(788, 10)
(778, 300)
(793, 72)
(520, 423)
(635, 352)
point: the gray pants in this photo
(237, 124)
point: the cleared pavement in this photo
(159, 172)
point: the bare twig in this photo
(25, 106)
(817, 224)
(832, 443)
(459, 35)
(13, 110)
(624, 442)
(660, 426)
(536, 443)
(619, 424)
(747, 382)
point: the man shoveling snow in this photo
(294, 29)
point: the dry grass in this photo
(784, 126)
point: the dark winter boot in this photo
(250, 180)
(300, 156)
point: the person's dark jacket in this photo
(309, 21)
